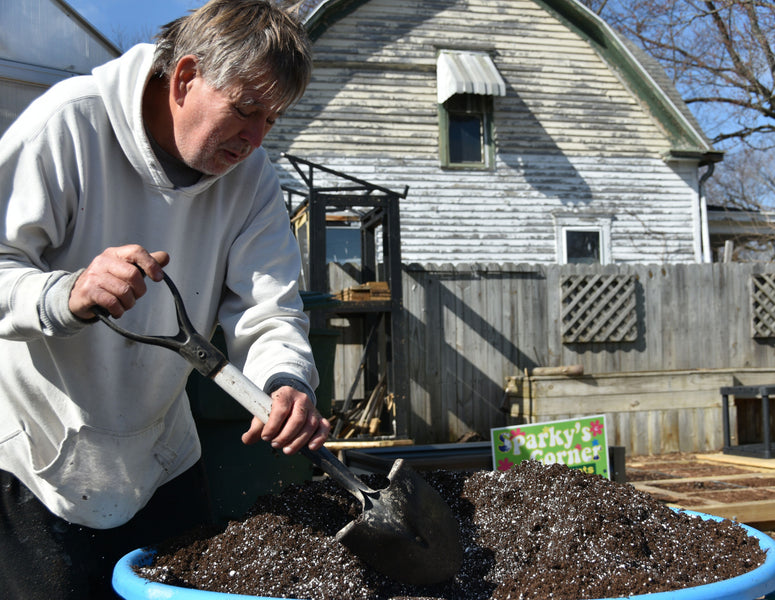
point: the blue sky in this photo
(126, 22)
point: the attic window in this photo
(465, 122)
(466, 82)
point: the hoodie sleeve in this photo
(262, 312)
(37, 195)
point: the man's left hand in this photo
(293, 423)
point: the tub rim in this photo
(748, 586)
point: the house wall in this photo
(571, 140)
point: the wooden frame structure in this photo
(329, 195)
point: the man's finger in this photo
(253, 435)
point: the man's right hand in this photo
(114, 281)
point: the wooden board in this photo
(372, 290)
(353, 445)
(763, 464)
(624, 392)
(647, 412)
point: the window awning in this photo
(467, 73)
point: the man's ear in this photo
(185, 72)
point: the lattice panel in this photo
(599, 308)
(763, 304)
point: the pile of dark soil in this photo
(531, 532)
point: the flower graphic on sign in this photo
(516, 432)
(505, 464)
(596, 427)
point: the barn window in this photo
(583, 238)
(466, 83)
(466, 131)
(582, 246)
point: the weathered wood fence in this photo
(471, 327)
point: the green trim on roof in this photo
(327, 14)
(682, 131)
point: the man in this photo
(153, 161)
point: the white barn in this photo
(526, 131)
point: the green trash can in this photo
(323, 342)
(236, 473)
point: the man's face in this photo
(216, 129)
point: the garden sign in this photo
(578, 443)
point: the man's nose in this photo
(254, 133)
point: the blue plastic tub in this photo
(755, 584)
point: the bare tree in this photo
(125, 39)
(718, 53)
(748, 177)
(305, 6)
(597, 6)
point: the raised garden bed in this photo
(732, 487)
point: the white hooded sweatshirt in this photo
(91, 422)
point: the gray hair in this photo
(241, 42)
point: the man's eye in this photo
(251, 112)
(240, 111)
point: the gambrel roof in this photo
(641, 74)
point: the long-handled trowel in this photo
(406, 531)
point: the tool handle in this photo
(187, 342)
(339, 472)
(244, 391)
(211, 363)
(258, 403)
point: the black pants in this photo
(45, 557)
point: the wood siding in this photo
(570, 137)
(470, 327)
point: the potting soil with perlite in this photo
(532, 532)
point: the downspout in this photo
(704, 232)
